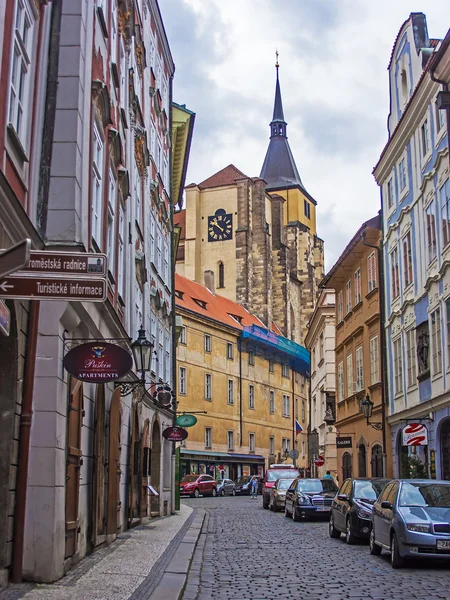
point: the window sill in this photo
(348, 315)
(424, 375)
(339, 325)
(102, 21)
(372, 292)
(358, 305)
(208, 399)
(15, 141)
(408, 288)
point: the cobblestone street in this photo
(247, 553)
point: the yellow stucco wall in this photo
(294, 208)
(221, 416)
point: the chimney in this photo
(209, 281)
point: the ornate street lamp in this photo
(142, 353)
(367, 409)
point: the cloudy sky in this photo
(334, 84)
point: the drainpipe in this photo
(49, 119)
(383, 342)
(24, 443)
(240, 391)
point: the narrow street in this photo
(246, 552)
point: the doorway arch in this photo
(376, 461)
(362, 462)
(155, 467)
(445, 449)
(346, 465)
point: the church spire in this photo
(279, 169)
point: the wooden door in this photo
(135, 480)
(155, 467)
(114, 471)
(74, 462)
(98, 472)
(145, 468)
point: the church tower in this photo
(298, 253)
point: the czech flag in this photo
(298, 427)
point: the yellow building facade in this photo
(250, 402)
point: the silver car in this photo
(278, 494)
(226, 487)
(411, 519)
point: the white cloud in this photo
(333, 56)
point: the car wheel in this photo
(233, 493)
(295, 516)
(397, 562)
(222, 492)
(349, 537)
(334, 533)
(374, 548)
(214, 492)
(196, 493)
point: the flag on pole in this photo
(298, 427)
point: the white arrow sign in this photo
(4, 286)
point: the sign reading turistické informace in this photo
(98, 362)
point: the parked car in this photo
(278, 494)
(226, 487)
(309, 498)
(273, 474)
(411, 519)
(196, 485)
(351, 509)
(243, 485)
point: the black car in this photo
(244, 485)
(309, 498)
(351, 510)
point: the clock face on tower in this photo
(220, 226)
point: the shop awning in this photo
(277, 348)
(220, 456)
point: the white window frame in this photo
(340, 306)
(285, 445)
(182, 338)
(436, 341)
(410, 335)
(439, 122)
(97, 185)
(285, 370)
(408, 267)
(251, 442)
(182, 381)
(208, 386)
(359, 368)
(341, 388)
(208, 437)
(371, 272)
(395, 273)
(251, 396)
(348, 297)
(20, 100)
(286, 406)
(374, 360)
(357, 278)
(425, 140)
(111, 221)
(398, 365)
(231, 391)
(271, 444)
(271, 402)
(251, 358)
(444, 200)
(230, 351)
(230, 439)
(208, 343)
(113, 31)
(121, 254)
(430, 226)
(390, 193)
(349, 369)
(321, 346)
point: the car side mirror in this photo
(385, 504)
(342, 497)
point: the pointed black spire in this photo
(279, 168)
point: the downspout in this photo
(49, 119)
(24, 443)
(240, 391)
(383, 342)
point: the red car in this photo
(198, 485)
(273, 474)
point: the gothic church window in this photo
(221, 275)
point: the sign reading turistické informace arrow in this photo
(53, 288)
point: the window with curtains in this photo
(436, 341)
(348, 296)
(444, 196)
(395, 274)
(111, 222)
(374, 366)
(357, 286)
(411, 356)
(407, 259)
(371, 272)
(430, 221)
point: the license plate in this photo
(323, 509)
(443, 544)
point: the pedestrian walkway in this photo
(135, 567)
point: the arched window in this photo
(377, 461)
(362, 471)
(445, 449)
(274, 130)
(404, 83)
(346, 465)
(221, 275)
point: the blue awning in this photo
(277, 348)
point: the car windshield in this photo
(425, 494)
(188, 478)
(369, 490)
(277, 474)
(283, 484)
(309, 485)
(242, 480)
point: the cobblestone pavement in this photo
(247, 553)
(128, 569)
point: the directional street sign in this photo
(14, 258)
(53, 288)
(64, 263)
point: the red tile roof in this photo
(217, 308)
(226, 176)
(179, 219)
(276, 329)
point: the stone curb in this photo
(173, 581)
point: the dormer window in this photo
(200, 303)
(236, 318)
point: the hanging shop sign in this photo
(175, 434)
(98, 362)
(343, 442)
(186, 420)
(415, 434)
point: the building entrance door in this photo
(74, 462)
(155, 467)
(445, 449)
(114, 470)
